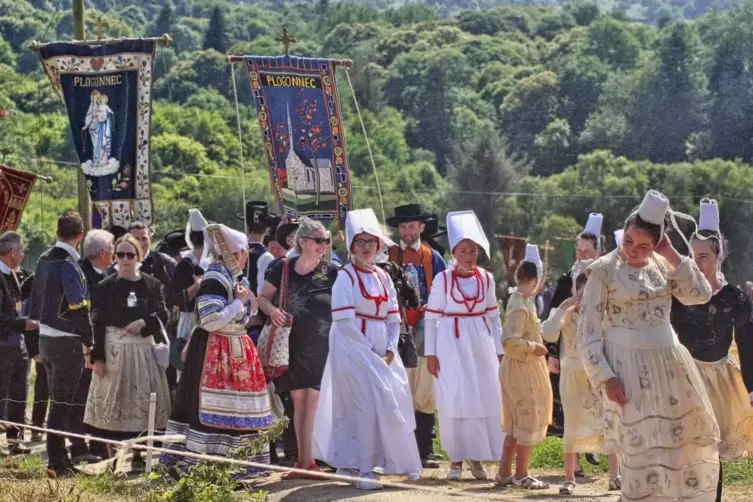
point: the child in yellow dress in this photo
(582, 406)
(526, 390)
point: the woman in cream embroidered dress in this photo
(657, 415)
(582, 407)
(526, 389)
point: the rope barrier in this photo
(137, 444)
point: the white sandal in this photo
(615, 484)
(502, 482)
(530, 483)
(567, 488)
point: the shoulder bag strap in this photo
(283, 300)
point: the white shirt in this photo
(262, 265)
(5, 269)
(416, 245)
(71, 250)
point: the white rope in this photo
(137, 444)
(368, 144)
(240, 143)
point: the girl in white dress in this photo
(582, 406)
(365, 417)
(657, 415)
(463, 345)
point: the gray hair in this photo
(10, 241)
(96, 241)
(306, 228)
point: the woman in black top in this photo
(309, 300)
(128, 311)
(706, 331)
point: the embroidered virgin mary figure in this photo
(99, 122)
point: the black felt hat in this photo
(117, 231)
(258, 217)
(173, 243)
(285, 229)
(432, 231)
(408, 212)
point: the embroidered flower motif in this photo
(635, 440)
(691, 479)
(677, 431)
(652, 478)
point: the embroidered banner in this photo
(15, 189)
(301, 125)
(107, 90)
(514, 251)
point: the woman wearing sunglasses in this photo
(365, 418)
(129, 312)
(309, 300)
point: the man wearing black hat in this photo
(258, 219)
(411, 221)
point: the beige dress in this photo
(526, 389)
(666, 434)
(581, 405)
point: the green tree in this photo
(164, 22)
(483, 176)
(613, 43)
(216, 37)
(528, 109)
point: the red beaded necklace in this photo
(469, 302)
(378, 299)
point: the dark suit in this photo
(59, 301)
(13, 353)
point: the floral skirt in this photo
(233, 390)
(729, 398)
(666, 434)
(185, 418)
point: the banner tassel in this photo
(240, 142)
(368, 145)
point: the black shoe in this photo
(435, 456)
(429, 464)
(64, 470)
(18, 449)
(593, 458)
(138, 463)
(579, 473)
(86, 458)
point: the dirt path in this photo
(592, 489)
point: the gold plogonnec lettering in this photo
(291, 81)
(98, 81)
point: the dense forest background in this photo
(531, 115)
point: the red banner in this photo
(15, 189)
(514, 251)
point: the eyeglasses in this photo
(319, 240)
(125, 254)
(366, 242)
